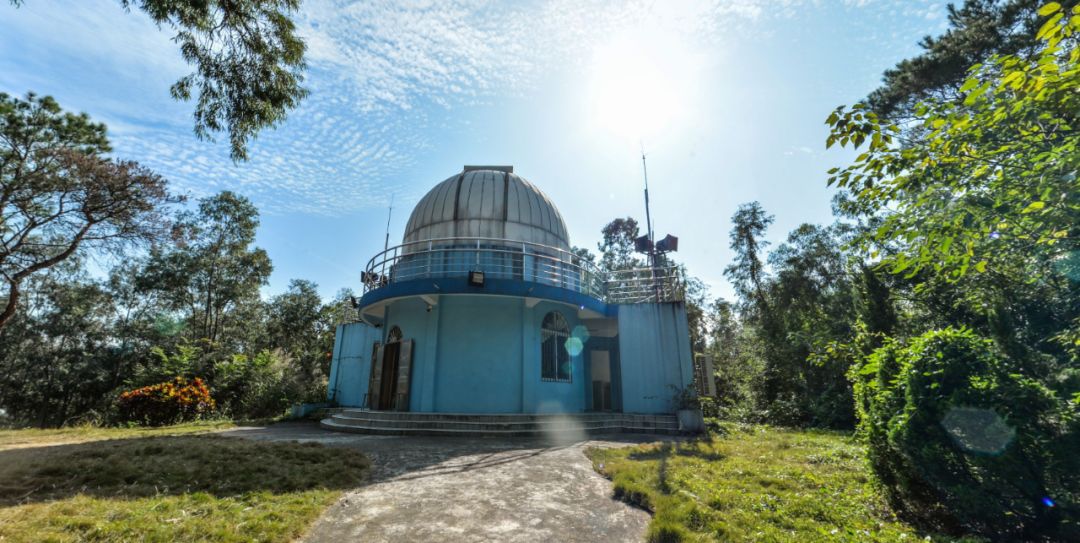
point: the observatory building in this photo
(483, 309)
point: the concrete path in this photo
(460, 489)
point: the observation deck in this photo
(510, 267)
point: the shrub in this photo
(170, 402)
(264, 385)
(961, 439)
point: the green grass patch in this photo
(171, 488)
(754, 484)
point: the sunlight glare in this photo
(641, 84)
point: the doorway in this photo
(600, 373)
(388, 381)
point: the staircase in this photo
(396, 423)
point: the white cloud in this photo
(377, 71)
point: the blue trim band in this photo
(492, 286)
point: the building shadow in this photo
(156, 466)
(417, 457)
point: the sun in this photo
(641, 85)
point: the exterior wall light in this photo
(476, 278)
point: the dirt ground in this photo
(470, 489)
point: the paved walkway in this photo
(470, 489)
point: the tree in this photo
(297, 326)
(57, 362)
(59, 193)
(737, 367)
(747, 271)
(812, 282)
(214, 273)
(248, 62)
(974, 208)
(986, 192)
(979, 30)
(617, 246)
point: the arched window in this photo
(555, 362)
(394, 335)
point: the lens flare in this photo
(978, 430)
(574, 346)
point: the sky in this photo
(727, 98)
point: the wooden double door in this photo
(391, 372)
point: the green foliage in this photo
(60, 193)
(213, 274)
(58, 361)
(248, 62)
(191, 309)
(171, 402)
(736, 364)
(961, 439)
(265, 385)
(617, 245)
(806, 302)
(747, 271)
(987, 179)
(979, 30)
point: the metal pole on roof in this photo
(386, 244)
(648, 227)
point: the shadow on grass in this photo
(418, 457)
(174, 465)
(696, 449)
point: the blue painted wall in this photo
(351, 364)
(654, 355)
(479, 360)
(481, 354)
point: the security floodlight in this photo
(476, 278)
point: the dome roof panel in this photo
(484, 202)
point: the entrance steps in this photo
(398, 423)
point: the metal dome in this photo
(487, 202)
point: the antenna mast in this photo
(386, 244)
(648, 217)
(653, 261)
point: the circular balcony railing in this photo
(497, 258)
(523, 261)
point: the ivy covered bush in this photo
(170, 402)
(962, 438)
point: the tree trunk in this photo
(12, 303)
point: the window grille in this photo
(555, 360)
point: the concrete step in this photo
(499, 417)
(513, 424)
(565, 432)
(483, 426)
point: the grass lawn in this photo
(163, 485)
(754, 484)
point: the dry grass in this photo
(14, 439)
(170, 488)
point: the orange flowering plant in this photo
(166, 403)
